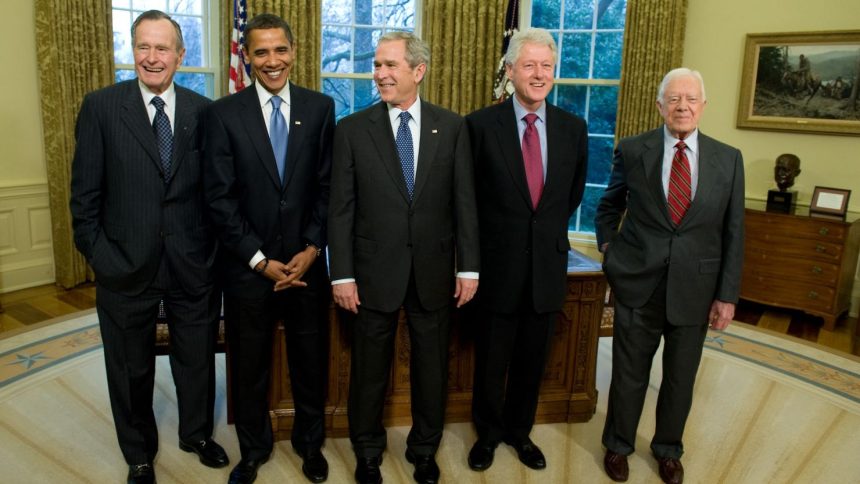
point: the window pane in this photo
(192, 35)
(336, 49)
(121, 3)
(143, 5)
(364, 49)
(602, 104)
(575, 55)
(613, 14)
(194, 7)
(341, 91)
(199, 82)
(546, 14)
(122, 48)
(400, 14)
(337, 12)
(587, 210)
(366, 94)
(607, 64)
(578, 14)
(599, 159)
(572, 99)
(364, 11)
(124, 75)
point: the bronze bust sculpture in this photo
(786, 169)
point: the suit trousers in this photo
(127, 326)
(510, 348)
(250, 329)
(372, 348)
(636, 337)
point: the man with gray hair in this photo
(674, 265)
(530, 157)
(402, 220)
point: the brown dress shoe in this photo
(671, 470)
(615, 466)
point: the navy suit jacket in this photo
(701, 258)
(250, 206)
(125, 217)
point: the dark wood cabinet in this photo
(568, 393)
(800, 262)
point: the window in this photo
(590, 36)
(350, 30)
(199, 22)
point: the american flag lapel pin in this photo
(434, 131)
(297, 123)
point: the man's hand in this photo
(721, 315)
(346, 296)
(465, 290)
(296, 269)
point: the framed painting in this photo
(801, 82)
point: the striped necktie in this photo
(680, 184)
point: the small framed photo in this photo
(829, 201)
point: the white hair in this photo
(675, 74)
(531, 35)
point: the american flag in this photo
(239, 72)
(502, 87)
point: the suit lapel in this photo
(296, 136)
(429, 143)
(185, 125)
(252, 119)
(554, 154)
(652, 160)
(382, 137)
(136, 119)
(508, 136)
(709, 170)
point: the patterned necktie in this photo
(405, 151)
(163, 136)
(278, 135)
(532, 158)
(680, 184)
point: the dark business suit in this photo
(665, 279)
(147, 239)
(524, 261)
(401, 253)
(252, 209)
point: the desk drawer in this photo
(793, 247)
(761, 263)
(795, 227)
(787, 293)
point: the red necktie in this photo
(680, 182)
(532, 159)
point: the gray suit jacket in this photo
(125, 217)
(376, 235)
(702, 257)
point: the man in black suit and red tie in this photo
(267, 166)
(402, 222)
(530, 163)
(671, 229)
(141, 221)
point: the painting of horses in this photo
(802, 82)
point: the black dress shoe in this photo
(528, 452)
(426, 470)
(141, 474)
(314, 465)
(367, 470)
(481, 455)
(671, 470)
(616, 466)
(211, 454)
(245, 471)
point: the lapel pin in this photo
(434, 131)
(297, 123)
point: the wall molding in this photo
(26, 242)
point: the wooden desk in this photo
(568, 394)
(800, 262)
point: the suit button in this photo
(283, 203)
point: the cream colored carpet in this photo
(767, 410)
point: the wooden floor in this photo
(25, 308)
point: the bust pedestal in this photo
(781, 202)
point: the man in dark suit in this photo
(267, 184)
(674, 264)
(140, 220)
(402, 210)
(530, 159)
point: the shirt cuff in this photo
(467, 275)
(256, 259)
(342, 281)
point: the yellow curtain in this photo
(465, 38)
(74, 44)
(653, 45)
(305, 19)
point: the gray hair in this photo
(158, 15)
(675, 74)
(417, 51)
(529, 35)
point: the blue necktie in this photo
(405, 151)
(163, 136)
(278, 135)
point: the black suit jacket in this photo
(125, 217)
(376, 235)
(702, 257)
(250, 207)
(523, 248)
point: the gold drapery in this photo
(305, 19)
(653, 45)
(465, 38)
(74, 44)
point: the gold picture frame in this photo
(801, 82)
(829, 201)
